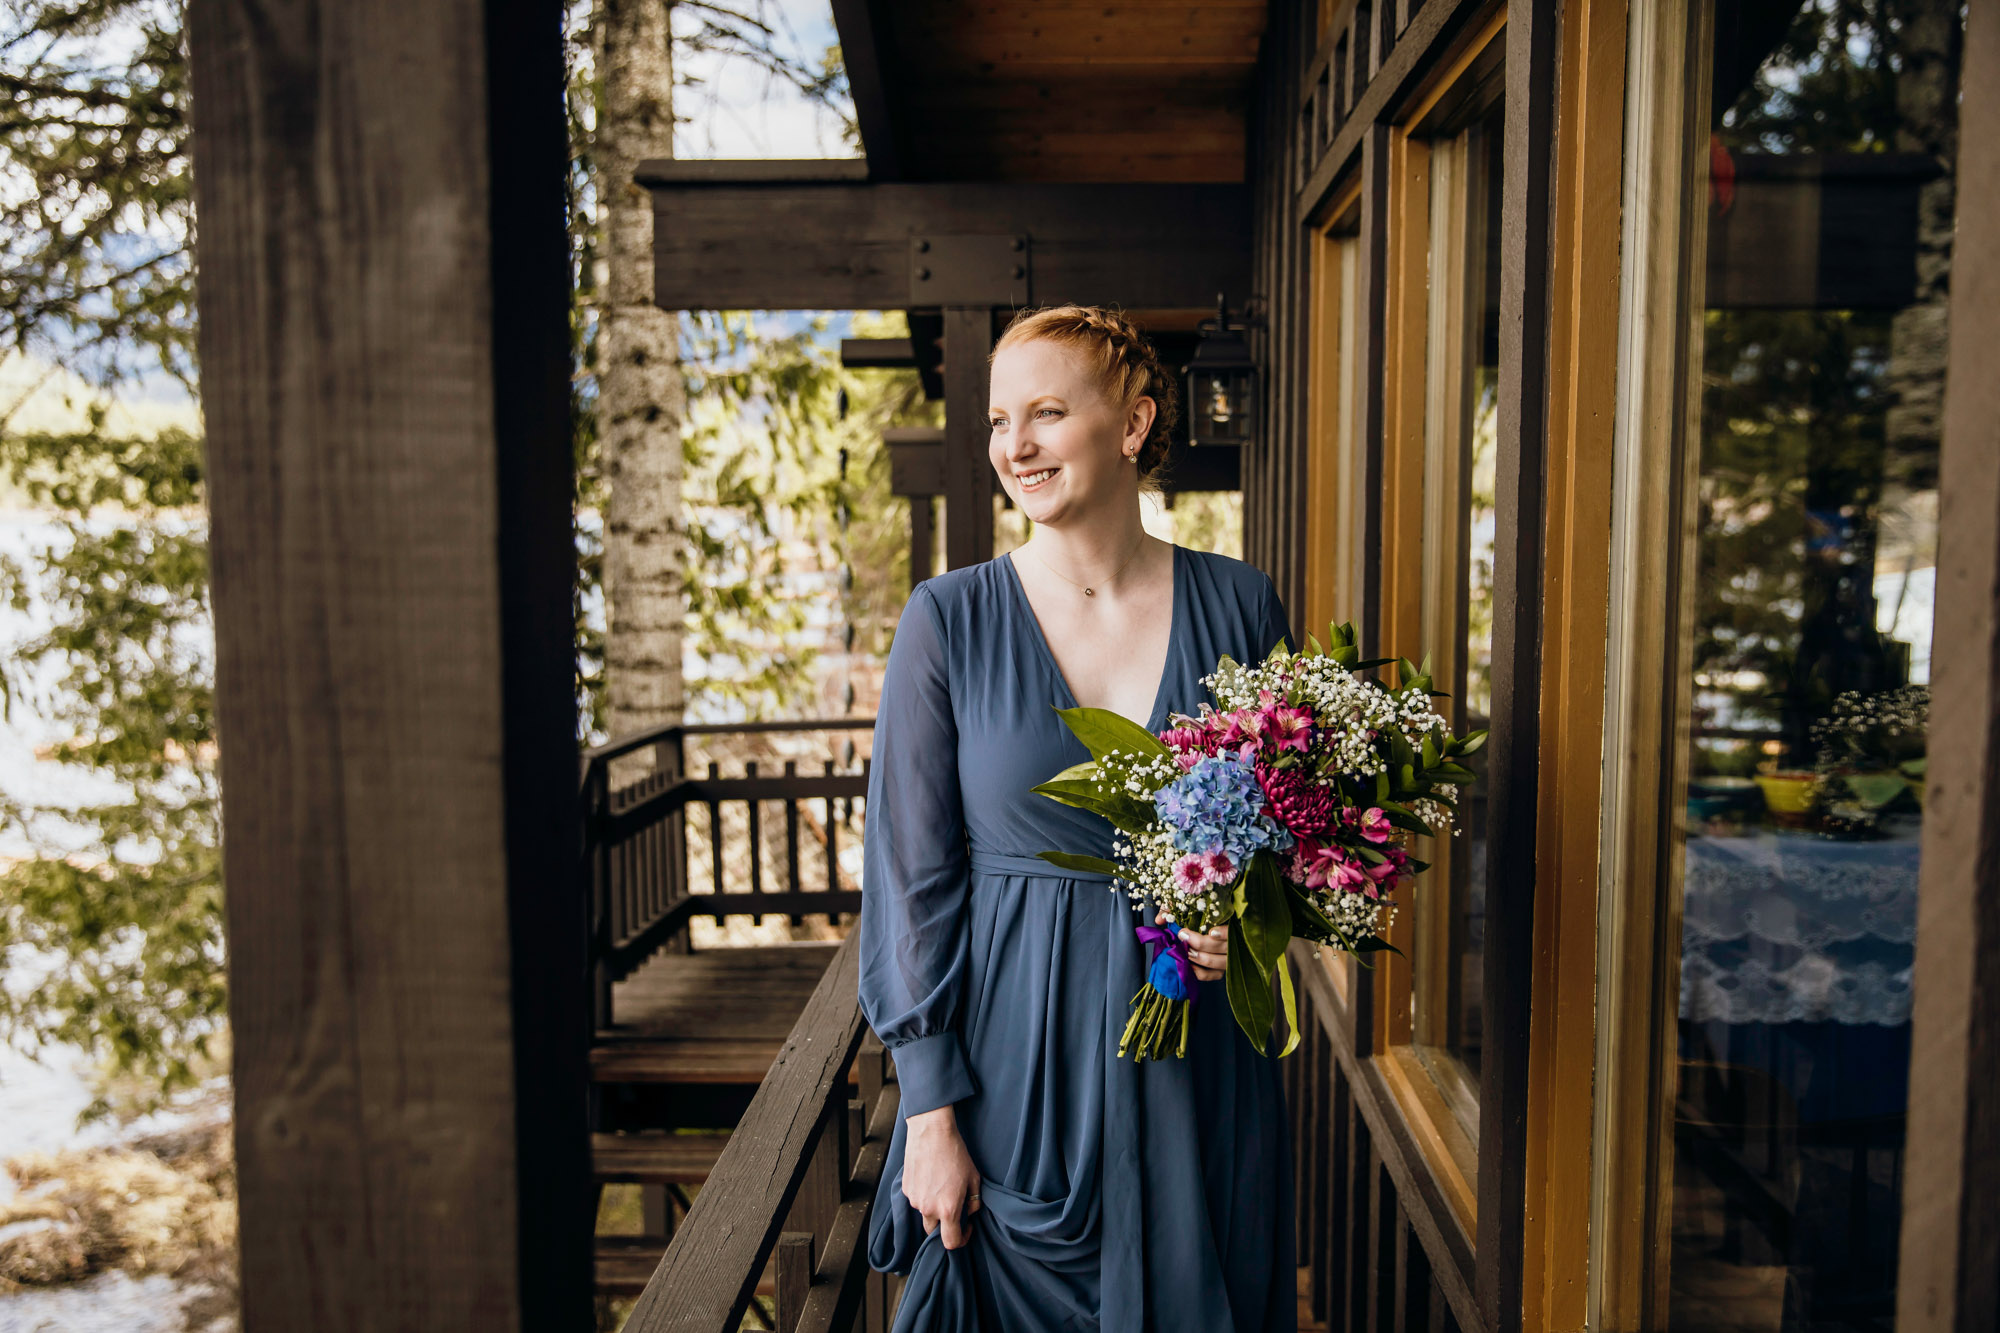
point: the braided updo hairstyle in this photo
(1127, 366)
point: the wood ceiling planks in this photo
(1069, 92)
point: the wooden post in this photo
(968, 487)
(1949, 1280)
(384, 297)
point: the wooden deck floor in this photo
(713, 1017)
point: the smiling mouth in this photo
(1029, 481)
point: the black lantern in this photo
(1222, 384)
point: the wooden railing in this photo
(645, 885)
(797, 1180)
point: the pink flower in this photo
(1318, 866)
(1375, 825)
(1218, 867)
(1190, 874)
(1288, 728)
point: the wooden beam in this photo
(874, 109)
(968, 477)
(846, 246)
(749, 170)
(388, 460)
(1949, 1280)
(877, 354)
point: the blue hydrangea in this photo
(1218, 806)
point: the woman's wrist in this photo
(934, 1121)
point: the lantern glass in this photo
(1222, 403)
(1221, 387)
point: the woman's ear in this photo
(1139, 423)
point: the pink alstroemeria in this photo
(1288, 728)
(1326, 867)
(1375, 825)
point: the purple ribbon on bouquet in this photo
(1177, 974)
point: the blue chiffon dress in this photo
(1115, 1196)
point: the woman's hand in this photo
(1209, 951)
(939, 1179)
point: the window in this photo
(1803, 163)
(1440, 443)
(1461, 419)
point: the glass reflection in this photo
(1821, 371)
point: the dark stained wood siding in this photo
(1384, 1247)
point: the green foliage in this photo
(127, 920)
(96, 221)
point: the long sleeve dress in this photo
(1117, 1196)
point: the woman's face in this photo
(1059, 441)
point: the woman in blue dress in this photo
(1035, 1181)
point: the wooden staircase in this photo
(695, 1034)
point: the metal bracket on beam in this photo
(988, 270)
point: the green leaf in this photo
(1308, 922)
(1264, 917)
(1457, 774)
(1471, 743)
(1291, 1003)
(1429, 753)
(1123, 812)
(1082, 772)
(1249, 996)
(1074, 861)
(1375, 944)
(1104, 732)
(1406, 821)
(1876, 790)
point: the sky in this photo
(752, 115)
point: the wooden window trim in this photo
(1335, 467)
(1432, 1099)
(1651, 550)
(1588, 186)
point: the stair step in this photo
(682, 1060)
(626, 1263)
(655, 1157)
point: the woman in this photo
(1035, 1181)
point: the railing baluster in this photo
(832, 852)
(756, 835)
(792, 880)
(715, 834)
(795, 1265)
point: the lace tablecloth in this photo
(1789, 927)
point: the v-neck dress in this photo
(1115, 1196)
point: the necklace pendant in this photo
(1090, 592)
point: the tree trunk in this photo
(641, 401)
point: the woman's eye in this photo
(1050, 411)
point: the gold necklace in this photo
(1090, 592)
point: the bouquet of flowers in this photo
(1288, 809)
